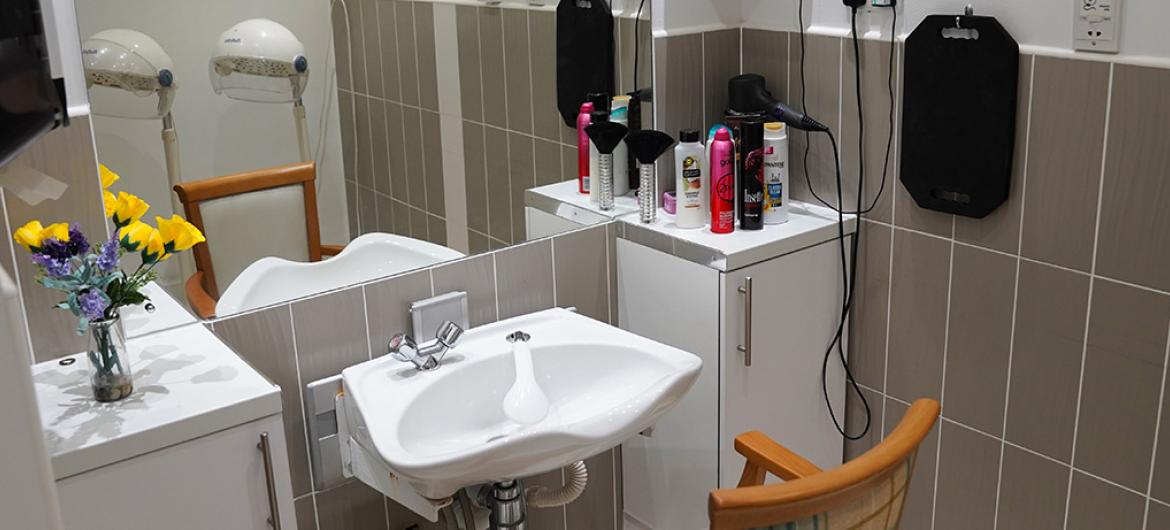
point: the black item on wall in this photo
(585, 54)
(959, 114)
(30, 101)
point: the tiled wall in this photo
(1043, 327)
(431, 77)
(66, 154)
(300, 342)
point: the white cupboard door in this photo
(796, 304)
(216, 481)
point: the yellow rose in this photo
(178, 234)
(111, 202)
(134, 236)
(108, 177)
(33, 234)
(155, 250)
(128, 208)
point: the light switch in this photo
(1096, 25)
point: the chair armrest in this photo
(201, 302)
(766, 455)
(331, 250)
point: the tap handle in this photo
(448, 333)
(402, 347)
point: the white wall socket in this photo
(1097, 25)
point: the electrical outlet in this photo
(1096, 25)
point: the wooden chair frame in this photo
(809, 490)
(202, 288)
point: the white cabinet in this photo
(216, 481)
(683, 289)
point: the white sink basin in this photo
(445, 429)
(375, 255)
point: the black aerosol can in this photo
(751, 170)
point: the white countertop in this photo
(564, 200)
(187, 383)
(168, 313)
(807, 225)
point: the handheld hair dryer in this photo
(748, 93)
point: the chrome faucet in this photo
(427, 356)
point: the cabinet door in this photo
(216, 481)
(796, 304)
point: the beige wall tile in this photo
(822, 80)
(265, 340)
(372, 42)
(477, 277)
(626, 49)
(521, 177)
(413, 149)
(419, 227)
(720, 63)
(1046, 359)
(1064, 160)
(388, 307)
(1032, 491)
(1122, 382)
(855, 422)
(679, 93)
(1160, 487)
(345, 118)
(401, 215)
(365, 146)
(868, 317)
(967, 478)
(432, 150)
(517, 70)
(877, 101)
(388, 25)
(918, 310)
(380, 147)
(385, 207)
(1159, 516)
(395, 132)
(917, 513)
(367, 209)
(582, 272)
(306, 513)
(470, 85)
(765, 52)
(548, 162)
(436, 230)
(357, 45)
(524, 278)
(341, 50)
(596, 508)
(546, 117)
(351, 506)
(407, 52)
(980, 336)
(475, 173)
(499, 193)
(491, 55)
(1094, 505)
(331, 334)
(424, 37)
(1134, 219)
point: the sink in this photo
(445, 429)
(375, 255)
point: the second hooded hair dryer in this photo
(749, 94)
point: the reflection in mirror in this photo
(320, 144)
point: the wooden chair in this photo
(246, 217)
(866, 493)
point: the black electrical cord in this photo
(848, 263)
(637, 39)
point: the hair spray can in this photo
(775, 173)
(583, 148)
(722, 169)
(751, 175)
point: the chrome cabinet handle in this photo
(265, 448)
(746, 347)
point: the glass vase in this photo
(109, 361)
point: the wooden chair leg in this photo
(753, 475)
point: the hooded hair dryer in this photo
(748, 94)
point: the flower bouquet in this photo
(94, 282)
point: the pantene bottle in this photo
(688, 171)
(775, 173)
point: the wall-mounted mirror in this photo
(321, 143)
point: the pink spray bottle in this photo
(583, 121)
(722, 183)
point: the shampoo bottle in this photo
(583, 148)
(722, 183)
(620, 113)
(775, 173)
(688, 160)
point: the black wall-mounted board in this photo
(959, 114)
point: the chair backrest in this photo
(248, 216)
(866, 493)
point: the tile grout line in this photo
(402, 105)
(292, 323)
(943, 384)
(1157, 431)
(1089, 309)
(507, 137)
(890, 287)
(1016, 291)
(366, 316)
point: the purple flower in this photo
(63, 250)
(93, 304)
(108, 257)
(55, 268)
